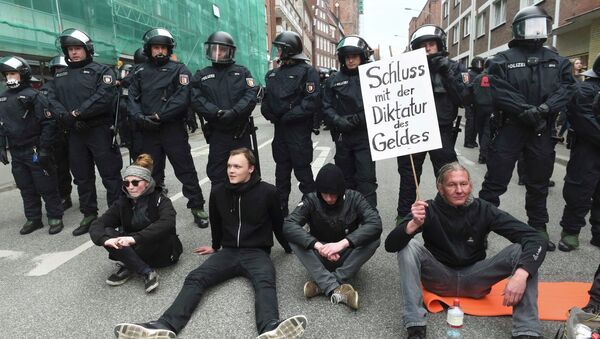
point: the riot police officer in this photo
(224, 94)
(290, 102)
(449, 89)
(470, 115)
(483, 107)
(61, 140)
(158, 103)
(531, 85)
(123, 123)
(83, 98)
(582, 182)
(344, 112)
(135, 136)
(28, 128)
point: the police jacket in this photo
(245, 215)
(88, 89)
(342, 98)
(161, 90)
(351, 217)
(449, 91)
(523, 76)
(584, 121)
(456, 235)
(220, 87)
(291, 95)
(481, 94)
(25, 119)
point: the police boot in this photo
(66, 203)
(551, 247)
(56, 225)
(200, 217)
(84, 225)
(568, 241)
(30, 226)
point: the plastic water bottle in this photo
(454, 319)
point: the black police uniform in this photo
(88, 88)
(30, 129)
(581, 190)
(224, 87)
(449, 92)
(344, 111)
(471, 116)
(61, 153)
(521, 77)
(291, 99)
(135, 137)
(483, 108)
(164, 90)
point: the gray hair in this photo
(450, 167)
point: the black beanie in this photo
(330, 180)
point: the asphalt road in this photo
(53, 286)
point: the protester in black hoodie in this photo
(244, 213)
(139, 229)
(344, 233)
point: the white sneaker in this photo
(290, 328)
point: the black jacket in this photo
(352, 217)
(245, 215)
(226, 87)
(25, 119)
(580, 114)
(342, 98)
(456, 236)
(89, 89)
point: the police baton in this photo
(115, 127)
(254, 142)
(456, 129)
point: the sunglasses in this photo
(135, 183)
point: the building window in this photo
(480, 25)
(498, 13)
(445, 8)
(456, 2)
(527, 3)
(455, 34)
(467, 25)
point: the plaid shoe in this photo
(149, 330)
(290, 328)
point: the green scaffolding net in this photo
(30, 27)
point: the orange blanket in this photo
(555, 299)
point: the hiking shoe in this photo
(551, 246)
(200, 217)
(595, 241)
(311, 289)
(153, 329)
(30, 226)
(66, 203)
(84, 225)
(290, 328)
(568, 242)
(120, 276)
(417, 332)
(150, 281)
(56, 225)
(345, 294)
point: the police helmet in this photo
(427, 33)
(477, 63)
(595, 71)
(57, 62)
(15, 64)
(290, 44)
(324, 72)
(531, 23)
(139, 57)
(353, 45)
(158, 36)
(219, 48)
(75, 37)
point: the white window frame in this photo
(466, 25)
(480, 26)
(494, 8)
(445, 8)
(455, 34)
(456, 3)
(523, 3)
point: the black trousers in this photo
(221, 143)
(61, 157)
(470, 126)
(581, 190)
(94, 146)
(253, 263)
(33, 183)
(353, 156)
(482, 121)
(439, 157)
(538, 156)
(595, 290)
(171, 141)
(292, 149)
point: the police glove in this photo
(355, 120)
(81, 126)
(441, 64)
(342, 124)
(226, 116)
(191, 122)
(4, 156)
(45, 159)
(535, 117)
(148, 124)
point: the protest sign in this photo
(399, 106)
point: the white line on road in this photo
(10, 254)
(464, 160)
(320, 160)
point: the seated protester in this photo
(593, 306)
(455, 226)
(139, 229)
(244, 213)
(344, 233)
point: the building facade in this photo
(328, 31)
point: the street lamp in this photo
(337, 9)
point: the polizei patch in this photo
(184, 79)
(310, 87)
(107, 79)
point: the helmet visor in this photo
(276, 52)
(219, 53)
(533, 28)
(10, 64)
(352, 41)
(159, 36)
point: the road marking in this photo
(465, 160)
(50, 261)
(11, 255)
(321, 158)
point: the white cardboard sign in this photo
(399, 106)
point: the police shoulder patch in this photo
(107, 79)
(47, 113)
(485, 81)
(250, 82)
(310, 87)
(184, 79)
(465, 77)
